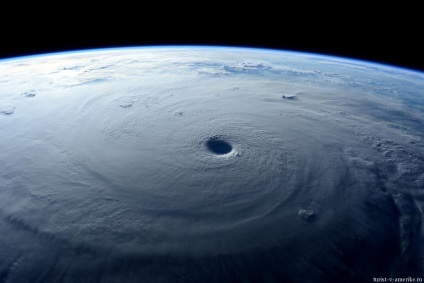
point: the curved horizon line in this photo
(213, 46)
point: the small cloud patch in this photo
(29, 93)
(307, 215)
(289, 96)
(7, 109)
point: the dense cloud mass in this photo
(209, 165)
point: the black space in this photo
(373, 36)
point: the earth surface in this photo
(209, 164)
